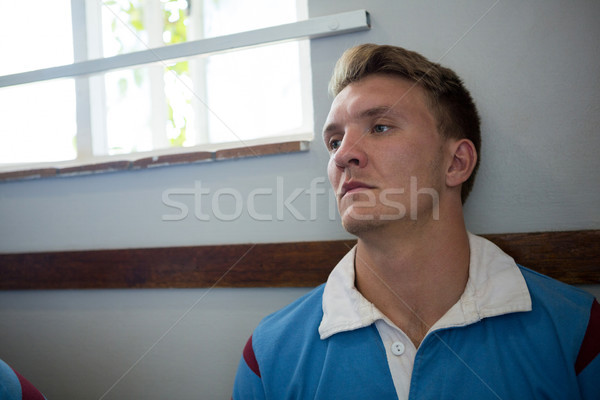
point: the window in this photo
(201, 100)
(125, 78)
(38, 122)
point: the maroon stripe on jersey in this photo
(590, 347)
(250, 358)
(28, 391)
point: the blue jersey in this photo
(550, 352)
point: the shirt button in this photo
(398, 348)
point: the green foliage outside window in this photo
(175, 20)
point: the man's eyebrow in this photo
(378, 112)
(329, 128)
(375, 112)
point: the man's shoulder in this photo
(297, 319)
(573, 314)
(555, 292)
(563, 306)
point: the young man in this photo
(419, 308)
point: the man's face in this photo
(384, 147)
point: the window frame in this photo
(85, 73)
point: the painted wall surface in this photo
(532, 68)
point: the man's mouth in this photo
(353, 187)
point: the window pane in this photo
(224, 17)
(42, 122)
(244, 98)
(35, 34)
(254, 93)
(123, 27)
(128, 104)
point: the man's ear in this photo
(464, 159)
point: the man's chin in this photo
(360, 226)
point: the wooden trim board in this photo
(572, 257)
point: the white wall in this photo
(532, 68)
(74, 345)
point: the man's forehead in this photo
(375, 110)
(379, 91)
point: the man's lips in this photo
(351, 186)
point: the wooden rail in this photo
(572, 257)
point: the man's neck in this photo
(414, 276)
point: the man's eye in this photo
(334, 144)
(380, 128)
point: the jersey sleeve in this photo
(13, 386)
(248, 383)
(587, 366)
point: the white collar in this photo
(495, 287)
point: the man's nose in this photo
(351, 151)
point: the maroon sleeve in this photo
(28, 391)
(590, 347)
(250, 358)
